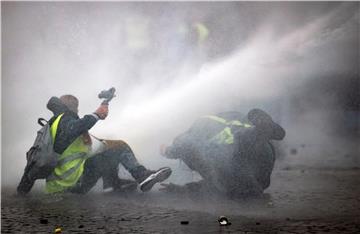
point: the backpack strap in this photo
(54, 126)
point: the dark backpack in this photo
(41, 157)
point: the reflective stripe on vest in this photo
(226, 136)
(70, 165)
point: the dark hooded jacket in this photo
(200, 133)
(70, 126)
(224, 165)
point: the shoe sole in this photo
(157, 177)
(278, 131)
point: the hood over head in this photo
(56, 106)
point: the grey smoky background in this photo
(172, 62)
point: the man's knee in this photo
(118, 151)
(116, 144)
(115, 150)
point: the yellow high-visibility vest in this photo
(202, 32)
(70, 165)
(226, 136)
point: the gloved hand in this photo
(102, 111)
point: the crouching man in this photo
(84, 159)
(232, 153)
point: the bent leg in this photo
(124, 155)
(242, 181)
(106, 164)
(146, 178)
(252, 164)
(203, 159)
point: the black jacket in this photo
(70, 126)
(247, 172)
(201, 131)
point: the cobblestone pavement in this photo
(298, 201)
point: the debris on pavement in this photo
(223, 221)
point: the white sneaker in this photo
(154, 177)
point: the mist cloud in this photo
(267, 53)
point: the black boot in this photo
(266, 126)
(148, 178)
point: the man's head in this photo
(70, 102)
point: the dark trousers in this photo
(251, 165)
(105, 165)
